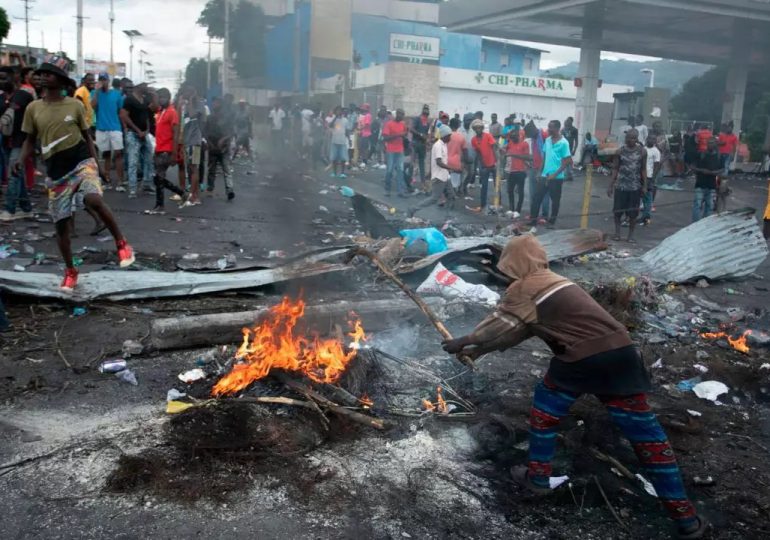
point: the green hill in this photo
(668, 73)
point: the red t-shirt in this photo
(394, 128)
(728, 142)
(165, 120)
(455, 148)
(702, 137)
(518, 149)
(485, 145)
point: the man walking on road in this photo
(707, 167)
(338, 150)
(629, 181)
(166, 132)
(59, 122)
(17, 194)
(557, 158)
(420, 141)
(486, 149)
(440, 171)
(570, 133)
(393, 134)
(193, 120)
(135, 114)
(243, 129)
(218, 134)
(83, 94)
(653, 165)
(107, 103)
(276, 117)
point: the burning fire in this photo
(366, 401)
(739, 343)
(272, 344)
(439, 406)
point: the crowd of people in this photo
(109, 133)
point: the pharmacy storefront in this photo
(530, 97)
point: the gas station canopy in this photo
(703, 31)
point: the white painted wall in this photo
(537, 108)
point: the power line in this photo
(26, 20)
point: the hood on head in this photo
(522, 256)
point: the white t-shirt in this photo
(653, 157)
(643, 132)
(439, 151)
(277, 116)
(307, 118)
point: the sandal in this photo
(520, 475)
(696, 532)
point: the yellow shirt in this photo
(767, 208)
(84, 95)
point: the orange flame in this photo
(273, 345)
(739, 343)
(366, 401)
(439, 406)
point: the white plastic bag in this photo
(449, 285)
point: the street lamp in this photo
(651, 73)
(131, 35)
(142, 54)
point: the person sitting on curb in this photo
(593, 354)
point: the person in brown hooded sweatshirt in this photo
(593, 354)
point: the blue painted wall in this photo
(279, 48)
(493, 53)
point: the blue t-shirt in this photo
(554, 153)
(108, 109)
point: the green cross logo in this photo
(479, 77)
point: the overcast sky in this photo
(171, 35)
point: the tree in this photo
(5, 24)
(195, 73)
(247, 31)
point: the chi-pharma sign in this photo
(415, 49)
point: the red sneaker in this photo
(70, 279)
(125, 254)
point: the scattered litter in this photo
(449, 285)
(648, 487)
(556, 481)
(77, 261)
(323, 209)
(431, 236)
(670, 187)
(192, 375)
(175, 407)
(128, 376)
(702, 284)
(694, 413)
(689, 384)
(733, 292)
(19, 268)
(657, 364)
(7, 251)
(29, 250)
(707, 304)
(112, 366)
(710, 390)
(323, 192)
(289, 199)
(703, 481)
(701, 368)
(701, 355)
(764, 366)
(277, 254)
(78, 311)
(105, 238)
(190, 256)
(346, 191)
(222, 263)
(174, 394)
(132, 348)
(167, 231)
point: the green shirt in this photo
(57, 125)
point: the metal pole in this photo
(131, 57)
(112, 25)
(80, 36)
(587, 195)
(226, 59)
(297, 51)
(208, 69)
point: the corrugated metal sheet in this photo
(557, 244)
(722, 246)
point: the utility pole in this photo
(112, 39)
(210, 42)
(26, 20)
(131, 34)
(226, 59)
(80, 36)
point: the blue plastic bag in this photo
(432, 236)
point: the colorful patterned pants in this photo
(633, 416)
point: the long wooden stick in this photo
(425, 308)
(364, 419)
